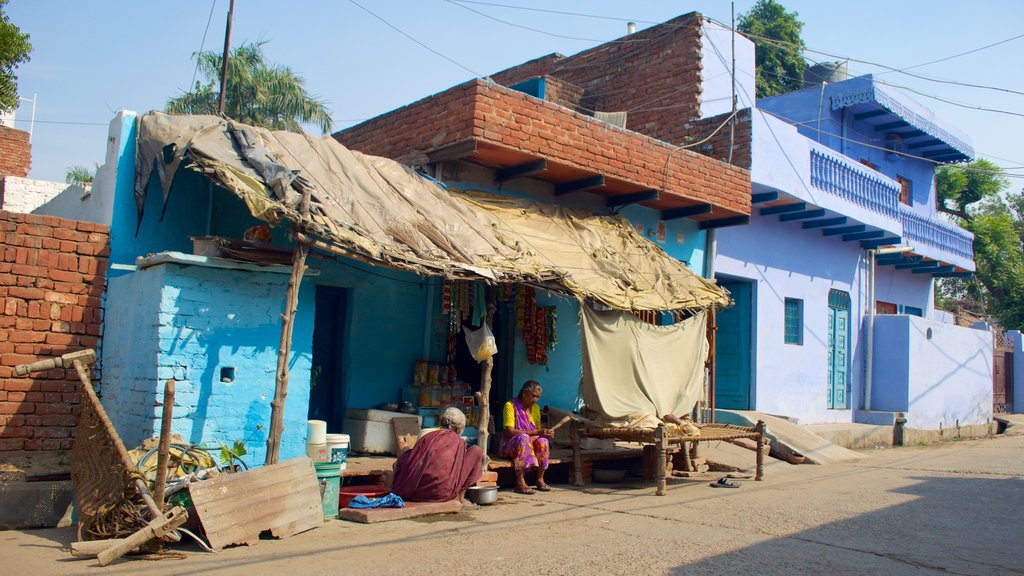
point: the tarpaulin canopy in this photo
(384, 213)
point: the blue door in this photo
(732, 349)
(838, 348)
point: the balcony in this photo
(847, 180)
(937, 239)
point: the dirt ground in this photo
(951, 508)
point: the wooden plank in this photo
(411, 510)
(155, 529)
(283, 498)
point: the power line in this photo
(393, 27)
(456, 3)
(202, 45)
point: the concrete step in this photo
(817, 449)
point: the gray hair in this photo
(453, 419)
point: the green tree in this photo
(958, 187)
(258, 93)
(14, 51)
(997, 288)
(778, 47)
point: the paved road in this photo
(955, 508)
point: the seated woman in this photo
(523, 440)
(440, 466)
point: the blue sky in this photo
(92, 58)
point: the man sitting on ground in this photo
(440, 466)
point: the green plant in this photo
(80, 175)
(228, 455)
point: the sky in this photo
(92, 58)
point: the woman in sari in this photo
(440, 467)
(523, 440)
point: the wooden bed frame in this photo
(665, 443)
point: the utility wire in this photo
(393, 27)
(202, 45)
(507, 23)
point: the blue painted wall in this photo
(937, 374)
(192, 323)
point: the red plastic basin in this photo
(347, 493)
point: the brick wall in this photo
(654, 74)
(51, 280)
(562, 92)
(717, 146)
(25, 195)
(15, 152)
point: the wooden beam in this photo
(953, 274)
(453, 151)
(577, 185)
(915, 265)
(164, 449)
(891, 259)
(802, 215)
(844, 230)
(934, 270)
(935, 153)
(837, 221)
(686, 211)
(633, 198)
(925, 144)
(863, 235)
(870, 114)
(783, 208)
(762, 197)
(881, 242)
(891, 125)
(521, 170)
(723, 222)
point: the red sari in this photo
(437, 469)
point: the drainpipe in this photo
(710, 251)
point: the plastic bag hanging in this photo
(480, 342)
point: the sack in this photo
(481, 342)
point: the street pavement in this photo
(949, 508)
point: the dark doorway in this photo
(327, 394)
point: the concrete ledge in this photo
(35, 504)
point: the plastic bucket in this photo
(317, 452)
(329, 476)
(316, 432)
(337, 449)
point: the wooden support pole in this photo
(284, 349)
(661, 454)
(486, 368)
(164, 451)
(577, 456)
(761, 448)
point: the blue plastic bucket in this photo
(329, 476)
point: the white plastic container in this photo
(337, 449)
(317, 452)
(370, 430)
(316, 432)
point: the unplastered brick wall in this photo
(15, 152)
(543, 128)
(654, 74)
(716, 131)
(51, 282)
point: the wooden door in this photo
(838, 349)
(732, 349)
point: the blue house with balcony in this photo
(833, 279)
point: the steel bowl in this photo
(482, 494)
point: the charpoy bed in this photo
(665, 443)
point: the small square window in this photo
(794, 321)
(905, 189)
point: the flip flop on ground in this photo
(526, 490)
(543, 487)
(724, 483)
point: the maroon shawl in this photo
(437, 469)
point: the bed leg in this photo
(759, 475)
(661, 441)
(577, 457)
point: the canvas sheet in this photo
(633, 368)
(384, 213)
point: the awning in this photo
(379, 211)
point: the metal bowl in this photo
(482, 494)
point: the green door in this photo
(838, 348)
(732, 349)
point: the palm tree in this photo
(258, 93)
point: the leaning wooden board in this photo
(283, 498)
